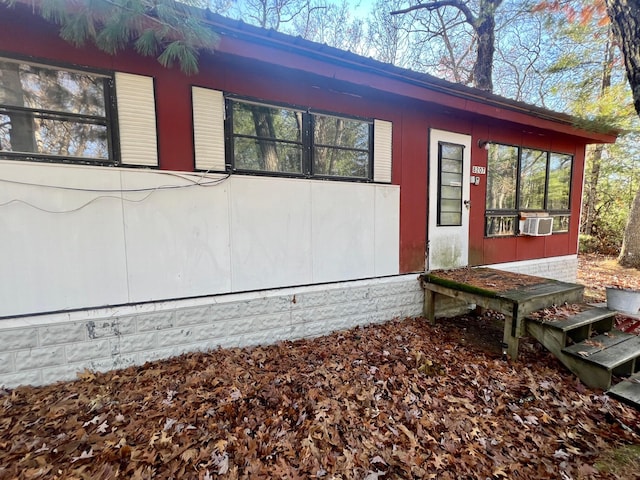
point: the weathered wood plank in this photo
(552, 288)
(580, 319)
(628, 390)
(491, 303)
(596, 344)
(617, 354)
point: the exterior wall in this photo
(486, 251)
(160, 235)
(563, 268)
(43, 349)
(239, 67)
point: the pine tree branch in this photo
(174, 28)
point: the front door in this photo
(448, 198)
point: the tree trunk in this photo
(591, 185)
(484, 26)
(22, 134)
(630, 254)
(596, 160)
(263, 122)
(625, 20)
(485, 31)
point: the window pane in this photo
(340, 132)
(44, 88)
(451, 192)
(453, 166)
(451, 180)
(52, 112)
(54, 137)
(340, 163)
(267, 122)
(450, 219)
(451, 151)
(500, 226)
(561, 223)
(450, 205)
(559, 181)
(502, 170)
(267, 155)
(533, 171)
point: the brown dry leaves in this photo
(401, 400)
(598, 271)
(558, 312)
(489, 279)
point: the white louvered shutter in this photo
(137, 119)
(382, 142)
(208, 128)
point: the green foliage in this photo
(587, 244)
(174, 31)
(618, 183)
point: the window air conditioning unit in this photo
(537, 226)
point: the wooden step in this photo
(590, 315)
(628, 390)
(596, 344)
(615, 355)
(567, 328)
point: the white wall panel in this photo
(178, 239)
(60, 261)
(343, 231)
(387, 230)
(247, 233)
(270, 232)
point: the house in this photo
(286, 190)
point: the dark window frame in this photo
(109, 121)
(515, 213)
(307, 141)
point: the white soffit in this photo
(137, 119)
(208, 128)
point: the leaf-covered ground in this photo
(401, 400)
(596, 272)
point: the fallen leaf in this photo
(83, 456)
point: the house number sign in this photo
(479, 170)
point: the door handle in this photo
(467, 203)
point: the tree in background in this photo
(389, 35)
(625, 17)
(587, 72)
(171, 30)
(482, 22)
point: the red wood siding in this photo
(311, 82)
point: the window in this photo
(526, 180)
(55, 114)
(450, 184)
(286, 140)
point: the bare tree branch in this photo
(459, 4)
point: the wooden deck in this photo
(514, 295)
